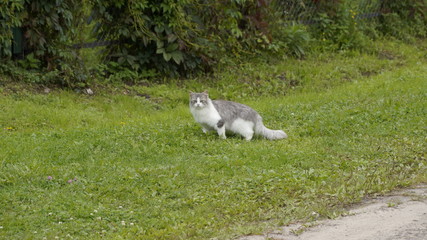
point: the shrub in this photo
(404, 18)
(336, 25)
(49, 29)
(150, 34)
(11, 15)
(157, 38)
(179, 37)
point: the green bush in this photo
(404, 19)
(180, 37)
(161, 38)
(150, 34)
(337, 26)
(11, 15)
(49, 29)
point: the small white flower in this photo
(123, 223)
(1, 227)
(59, 222)
(120, 207)
(95, 211)
(131, 224)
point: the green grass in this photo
(143, 169)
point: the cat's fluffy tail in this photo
(268, 133)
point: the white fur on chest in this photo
(206, 116)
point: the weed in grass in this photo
(393, 203)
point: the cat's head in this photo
(199, 100)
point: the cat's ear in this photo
(191, 92)
(206, 92)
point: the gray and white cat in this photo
(220, 115)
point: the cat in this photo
(222, 116)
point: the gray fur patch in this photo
(230, 111)
(220, 123)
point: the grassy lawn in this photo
(123, 167)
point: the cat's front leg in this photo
(205, 130)
(221, 132)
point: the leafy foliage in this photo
(178, 38)
(49, 28)
(151, 34)
(11, 16)
(404, 19)
(337, 27)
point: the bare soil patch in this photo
(399, 215)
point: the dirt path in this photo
(399, 215)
